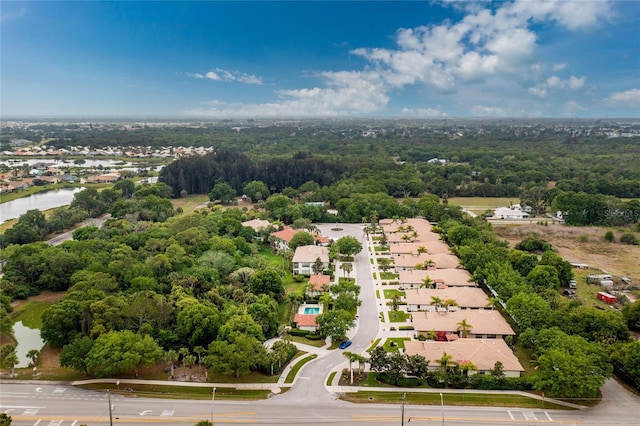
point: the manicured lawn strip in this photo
(297, 367)
(398, 316)
(457, 399)
(483, 203)
(399, 340)
(388, 294)
(183, 392)
(330, 378)
(388, 275)
(305, 341)
(374, 344)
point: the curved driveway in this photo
(310, 381)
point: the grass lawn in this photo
(398, 316)
(388, 294)
(388, 275)
(399, 341)
(483, 203)
(458, 399)
(305, 341)
(191, 202)
(183, 392)
(374, 344)
(297, 367)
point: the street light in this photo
(213, 397)
(442, 405)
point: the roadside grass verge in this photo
(182, 392)
(330, 378)
(457, 399)
(374, 344)
(297, 367)
(305, 341)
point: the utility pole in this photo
(404, 396)
(442, 405)
(110, 413)
(213, 397)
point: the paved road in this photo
(61, 405)
(308, 402)
(310, 382)
(65, 236)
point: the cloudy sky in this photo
(321, 59)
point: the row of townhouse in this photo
(443, 300)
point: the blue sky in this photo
(321, 59)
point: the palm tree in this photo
(427, 282)
(184, 352)
(449, 302)
(171, 357)
(422, 249)
(464, 327)
(436, 301)
(493, 302)
(346, 268)
(445, 362)
(33, 356)
(352, 357)
(199, 350)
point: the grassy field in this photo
(191, 202)
(483, 203)
(584, 244)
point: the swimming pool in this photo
(311, 311)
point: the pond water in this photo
(28, 338)
(88, 163)
(41, 201)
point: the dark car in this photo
(345, 344)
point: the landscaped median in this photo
(181, 390)
(450, 397)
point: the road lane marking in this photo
(548, 416)
(511, 415)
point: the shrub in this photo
(629, 238)
(405, 327)
(609, 237)
(298, 278)
(297, 332)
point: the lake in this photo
(28, 338)
(41, 201)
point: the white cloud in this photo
(487, 111)
(497, 46)
(555, 82)
(540, 92)
(423, 112)
(228, 76)
(576, 83)
(628, 97)
(573, 83)
(571, 108)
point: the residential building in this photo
(449, 277)
(483, 353)
(483, 323)
(305, 257)
(424, 299)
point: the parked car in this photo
(573, 284)
(345, 344)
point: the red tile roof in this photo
(304, 320)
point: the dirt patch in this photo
(46, 297)
(581, 245)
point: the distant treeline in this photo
(198, 174)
